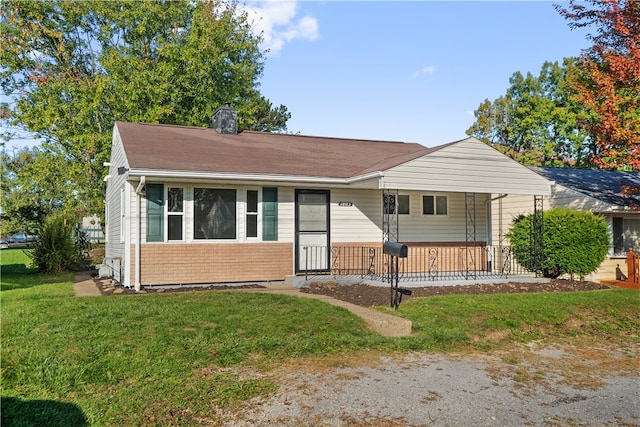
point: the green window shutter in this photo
(155, 212)
(270, 214)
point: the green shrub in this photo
(574, 242)
(59, 247)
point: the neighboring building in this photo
(91, 227)
(189, 205)
(597, 191)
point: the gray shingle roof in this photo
(602, 185)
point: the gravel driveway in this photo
(531, 385)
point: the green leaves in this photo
(74, 68)
(574, 242)
(536, 121)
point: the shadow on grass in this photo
(18, 412)
(18, 269)
(18, 276)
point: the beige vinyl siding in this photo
(362, 221)
(512, 207)
(417, 227)
(563, 196)
(359, 222)
(466, 166)
(286, 214)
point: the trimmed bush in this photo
(574, 242)
(58, 248)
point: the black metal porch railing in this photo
(423, 263)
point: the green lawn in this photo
(173, 359)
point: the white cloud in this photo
(428, 71)
(279, 24)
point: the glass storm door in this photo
(312, 230)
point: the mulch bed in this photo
(107, 289)
(366, 295)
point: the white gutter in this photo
(157, 173)
(140, 189)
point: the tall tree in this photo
(535, 122)
(73, 68)
(608, 81)
(27, 197)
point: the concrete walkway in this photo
(382, 323)
(85, 286)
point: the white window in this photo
(175, 213)
(434, 205)
(252, 214)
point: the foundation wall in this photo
(169, 264)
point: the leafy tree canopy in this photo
(27, 196)
(536, 121)
(608, 81)
(74, 67)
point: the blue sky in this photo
(410, 71)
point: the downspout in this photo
(490, 229)
(140, 191)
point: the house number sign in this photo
(345, 203)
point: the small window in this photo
(252, 214)
(393, 201)
(403, 204)
(175, 213)
(434, 205)
(626, 234)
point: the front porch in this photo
(425, 265)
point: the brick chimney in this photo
(225, 120)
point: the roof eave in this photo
(257, 177)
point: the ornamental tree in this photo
(607, 82)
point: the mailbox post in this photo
(395, 251)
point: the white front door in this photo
(312, 230)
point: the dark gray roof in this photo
(602, 185)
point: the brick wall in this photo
(165, 264)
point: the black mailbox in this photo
(395, 249)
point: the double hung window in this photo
(434, 205)
(251, 215)
(175, 213)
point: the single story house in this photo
(195, 205)
(597, 191)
